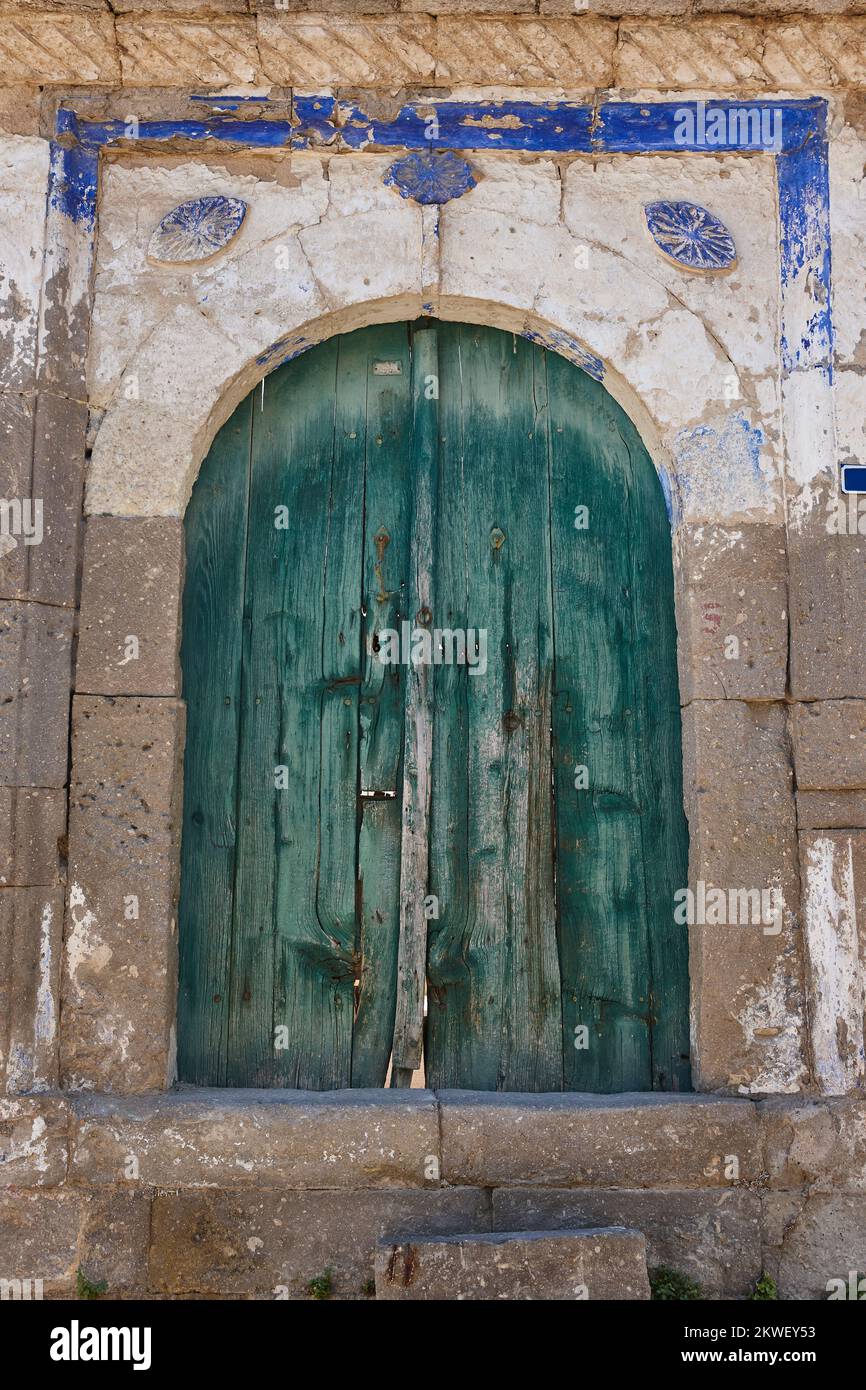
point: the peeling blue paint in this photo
(259, 133)
(284, 351)
(73, 181)
(804, 248)
(671, 507)
(557, 126)
(724, 458)
(568, 347)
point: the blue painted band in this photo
(793, 130)
(665, 127)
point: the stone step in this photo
(606, 1262)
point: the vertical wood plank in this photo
(418, 726)
(603, 944)
(384, 606)
(658, 740)
(494, 1013)
(216, 526)
(319, 419)
(608, 727)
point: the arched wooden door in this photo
(433, 730)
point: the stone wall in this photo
(208, 1194)
(116, 374)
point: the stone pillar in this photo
(748, 1024)
(42, 442)
(120, 961)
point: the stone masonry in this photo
(115, 374)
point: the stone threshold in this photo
(351, 1139)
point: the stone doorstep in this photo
(607, 1262)
(200, 1138)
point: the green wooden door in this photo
(497, 826)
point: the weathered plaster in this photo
(836, 976)
(173, 352)
(23, 184)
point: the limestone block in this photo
(732, 612)
(830, 745)
(58, 482)
(827, 591)
(778, 7)
(51, 1235)
(816, 1144)
(16, 462)
(849, 397)
(33, 1141)
(309, 51)
(568, 1140)
(115, 1233)
(747, 974)
(608, 209)
(339, 253)
(260, 286)
(707, 53)
(179, 6)
(274, 1243)
(51, 47)
(23, 184)
(650, 8)
(831, 810)
(713, 1237)
(608, 1263)
(120, 958)
(35, 659)
(32, 836)
(848, 235)
(810, 1240)
(285, 1139)
(741, 52)
(821, 52)
(39, 1234)
(834, 926)
(576, 53)
(129, 629)
(467, 7)
(174, 51)
(31, 933)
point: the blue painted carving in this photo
(429, 177)
(690, 236)
(197, 230)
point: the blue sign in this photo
(853, 477)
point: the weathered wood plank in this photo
(384, 605)
(494, 1014)
(418, 719)
(216, 526)
(319, 618)
(278, 831)
(658, 741)
(604, 945)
